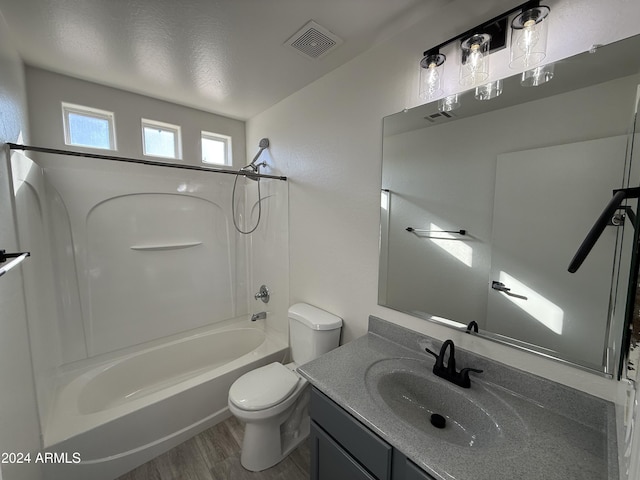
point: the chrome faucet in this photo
(263, 294)
(448, 371)
(258, 316)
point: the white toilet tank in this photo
(312, 332)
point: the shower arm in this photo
(257, 156)
(598, 227)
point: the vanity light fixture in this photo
(529, 36)
(489, 90)
(475, 59)
(528, 48)
(449, 103)
(431, 68)
(537, 76)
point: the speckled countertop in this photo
(545, 430)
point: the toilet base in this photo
(261, 449)
(267, 442)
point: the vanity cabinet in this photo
(344, 449)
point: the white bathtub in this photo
(123, 412)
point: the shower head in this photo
(252, 167)
(264, 143)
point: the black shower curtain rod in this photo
(15, 146)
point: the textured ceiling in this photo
(222, 56)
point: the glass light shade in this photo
(489, 90)
(431, 71)
(449, 103)
(475, 60)
(529, 38)
(537, 76)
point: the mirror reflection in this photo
(483, 207)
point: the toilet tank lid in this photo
(314, 317)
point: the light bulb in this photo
(528, 40)
(475, 65)
(475, 60)
(432, 79)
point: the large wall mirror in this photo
(484, 207)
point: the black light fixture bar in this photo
(492, 26)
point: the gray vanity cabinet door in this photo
(412, 472)
(368, 449)
(330, 461)
(344, 449)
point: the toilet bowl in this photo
(272, 401)
(266, 440)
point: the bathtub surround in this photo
(139, 269)
(176, 302)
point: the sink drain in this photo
(438, 421)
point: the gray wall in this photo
(46, 91)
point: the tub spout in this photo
(258, 316)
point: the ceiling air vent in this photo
(313, 41)
(439, 116)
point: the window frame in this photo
(91, 112)
(226, 139)
(168, 127)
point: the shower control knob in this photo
(263, 294)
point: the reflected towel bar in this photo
(18, 258)
(417, 231)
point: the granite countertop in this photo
(545, 429)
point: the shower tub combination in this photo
(123, 412)
(140, 323)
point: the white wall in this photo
(19, 429)
(327, 138)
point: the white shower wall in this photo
(155, 252)
(128, 254)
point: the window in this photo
(88, 127)
(216, 149)
(161, 139)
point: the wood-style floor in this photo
(215, 455)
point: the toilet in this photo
(272, 401)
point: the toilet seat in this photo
(263, 387)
